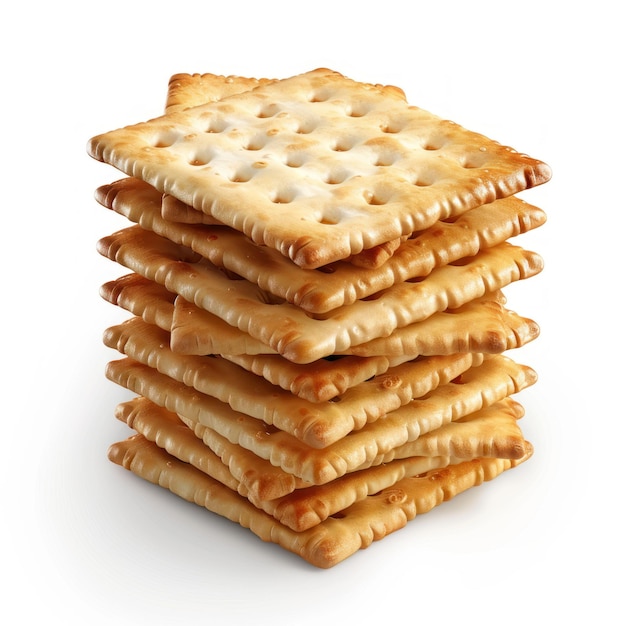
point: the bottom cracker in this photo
(492, 431)
(333, 540)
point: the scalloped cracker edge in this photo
(353, 162)
(333, 540)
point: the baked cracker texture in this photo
(317, 335)
(318, 166)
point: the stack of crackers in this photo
(314, 274)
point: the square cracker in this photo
(189, 90)
(175, 211)
(482, 326)
(318, 383)
(491, 432)
(318, 166)
(377, 442)
(340, 283)
(331, 541)
(316, 423)
(290, 331)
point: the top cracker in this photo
(319, 166)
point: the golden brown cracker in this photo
(325, 544)
(316, 423)
(290, 331)
(340, 283)
(186, 90)
(353, 163)
(497, 378)
(142, 297)
(491, 432)
(482, 326)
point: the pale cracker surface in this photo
(189, 90)
(318, 166)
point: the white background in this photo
(85, 542)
